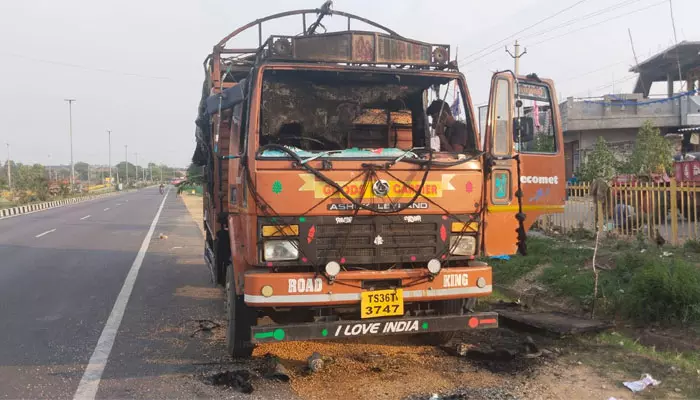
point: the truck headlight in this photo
(281, 250)
(462, 245)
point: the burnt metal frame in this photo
(245, 58)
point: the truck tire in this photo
(222, 256)
(240, 319)
(449, 307)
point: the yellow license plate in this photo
(381, 303)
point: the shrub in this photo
(692, 246)
(664, 291)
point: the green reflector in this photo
(264, 335)
(278, 334)
(302, 219)
(324, 332)
(425, 325)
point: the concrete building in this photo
(618, 117)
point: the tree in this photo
(195, 174)
(652, 153)
(601, 162)
(121, 168)
(81, 171)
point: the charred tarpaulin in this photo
(325, 112)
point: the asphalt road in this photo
(61, 274)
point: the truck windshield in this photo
(361, 114)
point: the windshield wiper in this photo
(319, 155)
(405, 154)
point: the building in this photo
(618, 117)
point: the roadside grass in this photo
(507, 272)
(687, 361)
(4, 203)
(622, 358)
(637, 281)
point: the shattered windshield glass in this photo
(345, 114)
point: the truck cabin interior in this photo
(315, 110)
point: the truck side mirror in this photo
(228, 98)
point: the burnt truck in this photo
(331, 208)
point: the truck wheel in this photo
(240, 319)
(449, 307)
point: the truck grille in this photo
(372, 240)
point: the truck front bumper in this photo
(373, 327)
(264, 288)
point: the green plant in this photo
(652, 153)
(664, 291)
(692, 246)
(600, 163)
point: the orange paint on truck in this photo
(300, 224)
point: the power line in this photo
(583, 18)
(571, 78)
(498, 43)
(598, 23)
(83, 67)
(624, 79)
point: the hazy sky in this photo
(135, 67)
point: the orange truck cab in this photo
(330, 205)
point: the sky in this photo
(135, 67)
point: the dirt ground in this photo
(405, 368)
(194, 206)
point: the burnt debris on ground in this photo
(494, 393)
(239, 380)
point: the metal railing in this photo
(632, 210)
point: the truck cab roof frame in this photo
(411, 54)
(320, 12)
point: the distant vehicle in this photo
(176, 181)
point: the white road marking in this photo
(90, 382)
(106, 209)
(119, 204)
(45, 233)
(85, 217)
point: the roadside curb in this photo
(19, 210)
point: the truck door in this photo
(499, 223)
(539, 143)
(523, 123)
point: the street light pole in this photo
(137, 166)
(126, 162)
(9, 168)
(70, 130)
(49, 167)
(109, 144)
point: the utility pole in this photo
(161, 173)
(516, 56)
(126, 162)
(70, 130)
(109, 144)
(150, 170)
(88, 186)
(137, 166)
(9, 168)
(49, 167)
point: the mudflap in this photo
(373, 327)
